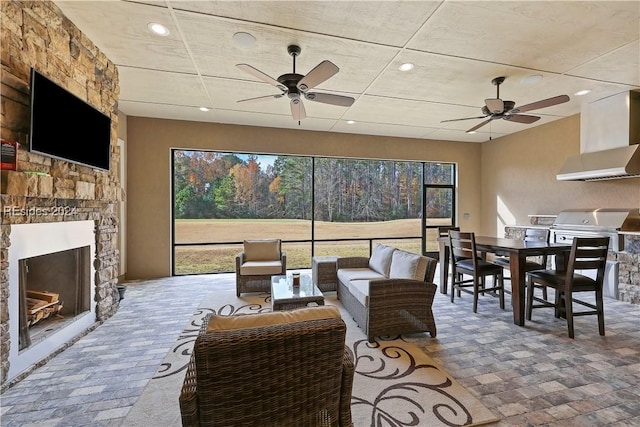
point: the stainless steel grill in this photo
(595, 222)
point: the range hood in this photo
(609, 140)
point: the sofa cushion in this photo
(345, 275)
(260, 268)
(360, 290)
(262, 250)
(226, 323)
(407, 265)
(380, 260)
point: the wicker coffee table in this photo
(285, 297)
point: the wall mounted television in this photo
(65, 127)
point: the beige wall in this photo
(148, 185)
(519, 177)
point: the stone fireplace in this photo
(51, 255)
(50, 206)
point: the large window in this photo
(317, 206)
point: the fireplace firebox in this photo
(54, 289)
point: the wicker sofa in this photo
(389, 293)
(286, 368)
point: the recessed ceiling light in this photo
(158, 29)
(582, 92)
(204, 109)
(407, 66)
(245, 40)
(529, 80)
(350, 122)
(472, 132)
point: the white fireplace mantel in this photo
(29, 240)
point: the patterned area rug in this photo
(395, 384)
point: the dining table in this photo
(518, 250)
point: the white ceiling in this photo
(457, 47)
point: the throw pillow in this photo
(404, 265)
(380, 260)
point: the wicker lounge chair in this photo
(297, 373)
(257, 263)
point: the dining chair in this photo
(532, 263)
(443, 231)
(465, 261)
(588, 254)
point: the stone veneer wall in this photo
(37, 34)
(628, 267)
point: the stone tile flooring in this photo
(531, 376)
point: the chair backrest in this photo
(264, 375)
(444, 230)
(262, 250)
(462, 245)
(538, 235)
(588, 253)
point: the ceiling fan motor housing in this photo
(290, 80)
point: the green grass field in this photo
(221, 258)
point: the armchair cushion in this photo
(380, 260)
(261, 268)
(227, 323)
(262, 250)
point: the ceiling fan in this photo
(296, 86)
(496, 108)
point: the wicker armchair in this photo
(292, 374)
(257, 263)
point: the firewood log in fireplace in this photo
(41, 305)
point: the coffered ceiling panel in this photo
(216, 54)
(543, 48)
(550, 36)
(120, 30)
(158, 87)
(353, 20)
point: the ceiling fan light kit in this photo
(295, 86)
(496, 108)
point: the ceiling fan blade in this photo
(327, 98)
(466, 118)
(297, 109)
(541, 104)
(495, 105)
(319, 74)
(260, 75)
(479, 126)
(261, 98)
(521, 118)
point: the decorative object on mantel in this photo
(8, 155)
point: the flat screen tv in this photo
(65, 127)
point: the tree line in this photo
(226, 185)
